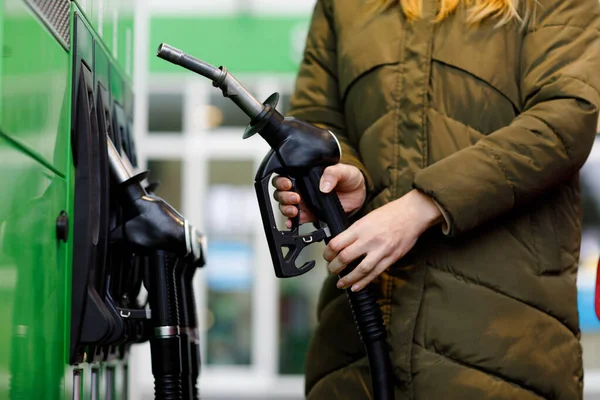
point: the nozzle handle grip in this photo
(329, 209)
(165, 343)
(326, 206)
(162, 291)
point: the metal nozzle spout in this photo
(169, 53)
(178, 57)
(222, 79)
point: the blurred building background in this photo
(255, 328)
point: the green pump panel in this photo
(65, 86)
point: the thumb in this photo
(331, 176)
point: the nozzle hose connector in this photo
(228, 84)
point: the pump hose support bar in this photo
(300, 151)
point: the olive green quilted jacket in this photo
(494, 124)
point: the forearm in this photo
(513, 166)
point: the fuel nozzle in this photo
(264, 118)
(297, 147)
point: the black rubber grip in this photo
(166, 367)
(166, 351)
(167, 388)
(326, 206)
(367, 315)
(163, 293)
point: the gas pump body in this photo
(63, 88)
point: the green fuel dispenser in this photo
(69, 277)
(81, 231)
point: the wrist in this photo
(429, 213)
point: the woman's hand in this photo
(383, 236)
(347, 180)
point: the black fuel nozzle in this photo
(169, 244)
(188, 320)
(301, 151)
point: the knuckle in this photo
(334, 245)
(364, 268)
(389, 246)
(344, 257)
(387, 243)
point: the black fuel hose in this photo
(366, 311)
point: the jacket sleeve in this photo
(316, 98)
(548, 141)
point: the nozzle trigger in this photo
(285, 246)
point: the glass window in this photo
(298, 312)
(231, 218)
(589, 256)
(167, 174)
(165, 112)
(222, 112)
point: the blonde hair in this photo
(478, 10)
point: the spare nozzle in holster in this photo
(171, 245)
